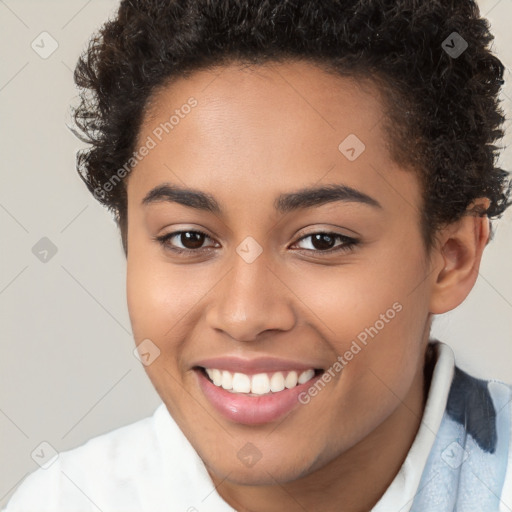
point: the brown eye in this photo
(325, 242)
(191, 241)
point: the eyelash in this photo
(348, 245)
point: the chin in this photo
(262, 472)
(264, 476)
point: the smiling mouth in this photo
(258, 384)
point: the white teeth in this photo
(227, 380)
(241, 383)
(260, 383)
(305, 376)
(291, 380)
(216, 377)
(277, 382)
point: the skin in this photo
(256, 133)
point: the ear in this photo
(457, 257)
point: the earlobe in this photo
(460, 249)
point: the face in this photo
(272, 279)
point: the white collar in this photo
(400, 494)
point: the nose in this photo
(250, 299)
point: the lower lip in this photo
(252, 410)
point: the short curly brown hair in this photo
(443, 110)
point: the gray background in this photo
(67, 369)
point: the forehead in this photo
(265, 128)
(266, 95)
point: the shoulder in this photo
(481, 406)
(110, 458)
(470, 461)
(482, 410)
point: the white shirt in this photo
(150, 466)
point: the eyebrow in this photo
(285, 203)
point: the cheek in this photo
(377, 292)
(153, 297)
(164, 300)
(157, 310)
(374, 315)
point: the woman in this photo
(299, 187)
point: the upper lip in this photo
(255, 365)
